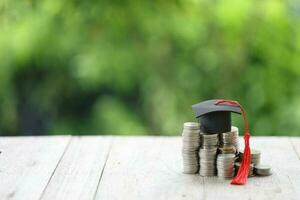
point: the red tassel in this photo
(242, 175)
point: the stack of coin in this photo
(225, 165)
(190, 147)
(255, 156)
(207, 154)
(229, 141)
(208, 161)
(209, 140)
(251, 169)
(235, 141)
(262, 170)
(227, 149)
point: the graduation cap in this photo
(215, 118)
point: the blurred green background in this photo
(136, 67)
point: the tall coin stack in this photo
(207, 154)
(225, 165)
(190, 147)
(229, 141)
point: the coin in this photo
(191, 125)
(228, 149)
(262, 170)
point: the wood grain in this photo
(296, 144)
(78, 174)
(147, 168)
(27, 164)
(285, 180)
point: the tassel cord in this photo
(242, 175)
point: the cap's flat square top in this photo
(209, 106)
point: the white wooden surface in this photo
(94, 167)
(147, 168)
(27, 164)
(78, 173)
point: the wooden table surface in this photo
(95, 167)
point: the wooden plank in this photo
(80, 169)
(285, 180)
(147, 168)
(296, 144)
(283, 184)
(27, 163)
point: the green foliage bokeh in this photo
(136, 67)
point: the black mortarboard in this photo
(214, 118)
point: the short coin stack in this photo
(207, 154)
(229, 142)
(262, 170)
(225, 165)
(190, 147)
(255, 156)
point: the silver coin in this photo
(191, 125)
(193, 136)
(209, 135)
(190, 139)
(262, 170)
(188, 131)
(262, 167)
(212, 149)
(226, 156)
